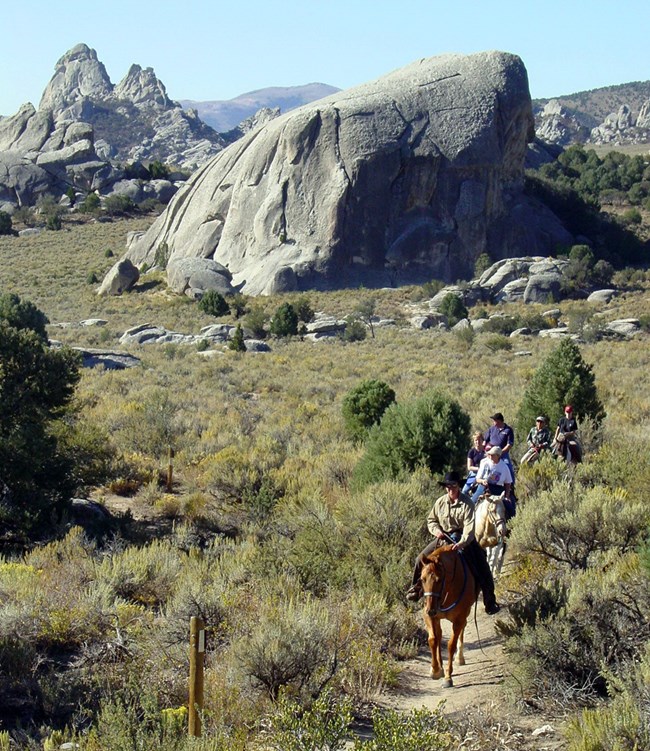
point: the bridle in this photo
(499, 524)
(492, 515)
(437, 596)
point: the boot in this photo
(414, 592)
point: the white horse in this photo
(490, 529)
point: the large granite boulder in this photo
(193, 276)
(409, 177)
(121, 277)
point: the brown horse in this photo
(449, 592)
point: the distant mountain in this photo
(223, 115)
(615, 115)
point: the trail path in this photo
(477, 690)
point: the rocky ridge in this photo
(408, 177)
(136, 117)
(615, 115)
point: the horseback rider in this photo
(538, 440)
(565, 442)
(474, 457)
(451, 521)
(494, 477)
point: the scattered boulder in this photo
(624, 327)
(257, 345)
(194, 276)
(325, 325)
(107, 359)
(122, 276)
(602, 296)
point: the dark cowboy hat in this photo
(451, 478)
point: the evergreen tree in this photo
(563, 378)
(453, 307)
(365, 405)
(36, 387)
(213, 303)
(285, 321)
(237, 343)
(432, 431)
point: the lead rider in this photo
(451, 521)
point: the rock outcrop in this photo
(614, 115)
(409, 177)
(84, 123)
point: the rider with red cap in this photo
(567, 433)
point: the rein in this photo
(439, 595)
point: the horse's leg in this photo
(461, 642)
(457, 627)
(435, 645)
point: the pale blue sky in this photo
(206, 50)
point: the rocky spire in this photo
(78, 75)
(142, 87)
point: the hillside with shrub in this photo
(302, 478)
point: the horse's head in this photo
(433, 580)
(497, 512)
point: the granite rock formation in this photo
(406, 178)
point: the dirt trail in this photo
(478, 690)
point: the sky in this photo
(210, 49)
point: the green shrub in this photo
(498, 343)
(53, 222)
(92, 278)
(214, 303)
(24, 215)
(284, 321)
(238, 304)
(23, 315)
(432, 431)
(419, 729)
(304, 310)
(118, 205)
(364, 406)
(482, 263)
(322, 725)
(387, 522)
(5, 223)
(158, 170)
(453, 308)
(355, 330)
(91, 204)
(255, 321)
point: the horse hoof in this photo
(436, 675)
(447, 683)
(461, 660)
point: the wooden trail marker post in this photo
(170, 470)
(197, 655)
